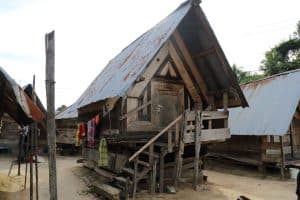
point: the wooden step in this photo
(107, 191)
(128, 171)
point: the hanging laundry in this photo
(103, 153)
(91, 132)
(77, 136)
(82, 130)
(97, 118)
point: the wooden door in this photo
(168, 102)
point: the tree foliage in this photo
(244, 76)
(283, 57)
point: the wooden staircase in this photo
(186, 129)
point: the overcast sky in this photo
(89, 33)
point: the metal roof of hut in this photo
(272, 105)
(123, 70)
(16, 102)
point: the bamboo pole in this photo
(50, 90)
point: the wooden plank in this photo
(206, 115)
(190, 115)
(155, 138)
(151, 154)
(50, 91)
(190, 62)
(184, 74)
(136, 110)
(170, 141)
(209, 135)
(150, 71)
(177, 134)
(206, 52)
(286, 150)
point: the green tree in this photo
(283, 57)
(244, 76)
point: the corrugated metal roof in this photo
(122, 71)
(272, 104)
(126, 67)
(16, 102)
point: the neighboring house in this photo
(16, 110)
(154, 96)
(268, 132)
(66, 127)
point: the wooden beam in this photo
(50, 91)
(170, 143)
(153, 177)
(206, 52)
(188, 58)
(161, 171)
(197, 148)
(209, 135)
(150, 71)
(136, 110)
(282, 167)
(135, 178)
(184, 74)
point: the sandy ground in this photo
(220, 185)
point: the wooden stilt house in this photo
(157, 97)
(17, 110)
(268, 132)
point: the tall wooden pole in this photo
(35, 145)
(50, 90)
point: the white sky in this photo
(91, 32)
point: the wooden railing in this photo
(167, 129)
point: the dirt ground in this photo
(221, 185)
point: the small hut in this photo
(268, 132)
(157, 101)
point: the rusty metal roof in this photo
(122, 71)
(272, 104)
(16, 102)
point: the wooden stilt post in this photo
(282, 158)
(31, 161)
(135, 178)
(197, 148)
(26, 158)
(179, 153)
(35, 144)
(50, 90)
(153, 176)
(20, 152)
(151, 163)
(161, 170)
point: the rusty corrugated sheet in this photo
(16, 102)
(272, 104)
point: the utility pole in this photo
(50, 90)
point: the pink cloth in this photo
(91, 132)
